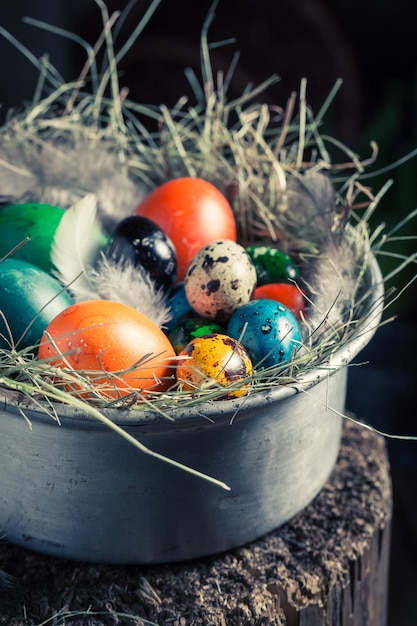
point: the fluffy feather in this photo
(123, 282)
(62, 170)
(314, 217)
(330, 271)
(89, 274)
(331, 280)
(85, 176)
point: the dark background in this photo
(371, 46)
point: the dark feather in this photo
(314, 215)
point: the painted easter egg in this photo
(212, 361)
(192, 212)
(287, 293)
(190, 329)
(29, 299)
(178, 306)
(140, 241)
(36, 221)
(116, 346)
(220, 278)
(268, 330)
(272, 265)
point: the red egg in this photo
(114, 345)
(192, 212)
(286, 293)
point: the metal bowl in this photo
(80, 491)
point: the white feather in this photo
(123, 282)
(77, 243)
(87, 178)
(89, 275)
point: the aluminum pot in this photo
(79, 491)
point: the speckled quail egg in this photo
(220, 279)
(215, 360)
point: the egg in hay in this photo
(272, 265)
(190, 329)
(29, 299)
(220, 279)
(288, 294)
(192, 212)
(32, 221)
(138, 240)
(215, 360)
(117, 347)
(268, 330)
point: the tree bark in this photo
(328, 566)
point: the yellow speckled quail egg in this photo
(215, 359)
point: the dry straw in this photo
(256, 154)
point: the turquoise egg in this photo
(268, 330)
(29, 299)
(190, 329)
(272, 265)
(178, 305)
(36, 221)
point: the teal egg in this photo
(272, 265)
(29, 299)
(190, 329)
(36, 221)
(268, 330)
(178, 305)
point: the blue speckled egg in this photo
(29, 299)
(268, 330)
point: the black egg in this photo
(140, 241)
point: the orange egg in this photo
(99, 337)
(192, 212)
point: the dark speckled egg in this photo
(140, 241)
(220, 279)
(268, 330)
(272, 265)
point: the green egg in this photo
(36, 221)
(29, 299)
(272, 265)
(190, 329)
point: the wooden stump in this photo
(327, 567)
